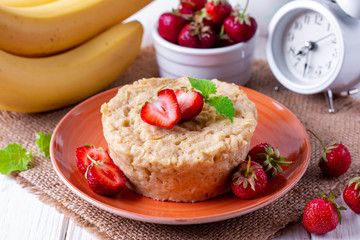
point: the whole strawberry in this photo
(218, 10)
(195, 35)
(321, 215)
(269, 158)
(193, 4)
(248, 180)
(203, 18)
(351, 194)
(170, 25)
(336, 159)
(186, 11)
(240, 27)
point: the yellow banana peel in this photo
(48, 83)
(25, 3)
(60, 25)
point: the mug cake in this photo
(192, 161)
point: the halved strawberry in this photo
(163, 112)
(83, 153)
(105, 178)
(190, 102)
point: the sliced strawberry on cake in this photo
(163, 112)
(190, 102)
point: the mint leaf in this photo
(14, 158)
(206, 87)
(43, 142)
(223, 106)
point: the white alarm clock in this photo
(314, 46)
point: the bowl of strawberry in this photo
(206, 39)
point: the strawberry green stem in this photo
(248, 168)
(92, 160)
(287, 163)
(322, 144)
(189, 2)
(87, 170)
(355, 180)
(243, 12)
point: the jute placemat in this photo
(264, 223)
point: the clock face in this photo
(310, 47)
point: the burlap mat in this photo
(264, 223)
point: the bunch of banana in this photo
(25, 3)
(62, 52)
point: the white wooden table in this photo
(24, 216)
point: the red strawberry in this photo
(240, 27)
(187, 38)
(84, 153)
(105, 178)
(203, 18)
(249, 180)
(190, 102)
(170, 25)
(269, 158)
(336, 159)
(193, 4)
(321, 215)
(224, 39)
(186, 11)
(164, 112)
(218, 10)
(351, 194)
(195, 35)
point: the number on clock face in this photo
(310, 47)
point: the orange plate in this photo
(276, 125)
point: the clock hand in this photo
(320, 39)
(309, 45)
(301, 51)
(306, 63)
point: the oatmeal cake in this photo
(194, 160)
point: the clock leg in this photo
(329, 96)
(277, 88)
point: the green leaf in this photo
(43, 142)
(206, 87)
(14, 157)
(223, 106)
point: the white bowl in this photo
(230, 64)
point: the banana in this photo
(57, 26)
(25, 3)
(42, 84)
